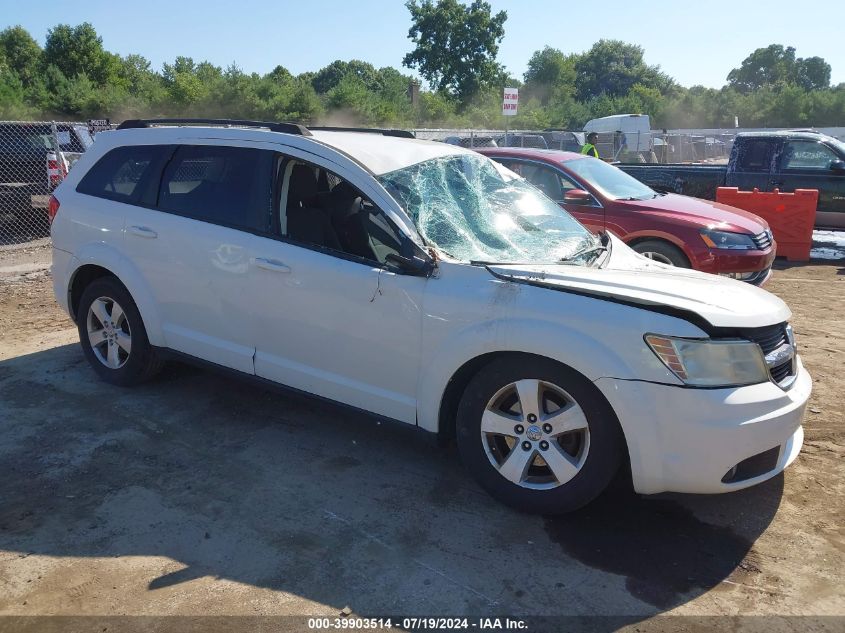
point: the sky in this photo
(694, 42)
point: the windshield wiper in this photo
(482, 262)
(596, 247)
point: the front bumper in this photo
(689, 440)
(744, 261)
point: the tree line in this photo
(455, 52)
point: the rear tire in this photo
(662, 252)
(552, 455)
(113, 336)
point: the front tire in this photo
(113, 336)
(537, 435)
(662, 252)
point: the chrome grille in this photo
(778, 347)
(762, 240)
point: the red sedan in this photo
(673, 229)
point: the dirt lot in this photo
(199, 495)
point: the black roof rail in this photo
(369, 130)
(286, 128)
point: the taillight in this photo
(56, 171)
(53, 171)
(52, 208)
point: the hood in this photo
(631, 278)
(706, 212)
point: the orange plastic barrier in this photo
(791, 216)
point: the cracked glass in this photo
(476, 210)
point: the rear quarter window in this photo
(230, 186)
(122, 174)
(754, 155)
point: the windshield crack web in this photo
(473, 209)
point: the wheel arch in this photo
(633, 239)
(83, 277)
(101, 261)
(447, 412)
(457, 384)
(455, 388)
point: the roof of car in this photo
(378, 153)
(545, 155)
(383, 154)
(800, 134)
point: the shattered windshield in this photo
(478, 211)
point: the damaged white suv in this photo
(424, 283)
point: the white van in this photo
(636, 129)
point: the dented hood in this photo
(628, 277)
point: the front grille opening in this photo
(781, 372)
(770, 338)
(754, 466)
(762, 240)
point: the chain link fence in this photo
(647, 147)
(35, 156)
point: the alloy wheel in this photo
(108, 332)
(658, 257)
(535, 434)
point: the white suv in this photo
(424, 283)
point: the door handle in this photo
(143, 231)
(273, 265)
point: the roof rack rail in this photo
(369, 130)
(286, 128)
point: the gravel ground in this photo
(196, 495)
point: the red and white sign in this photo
(510, 101)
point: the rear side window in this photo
(231, 186)
(755, 155)
(123, 173)
(807, 155)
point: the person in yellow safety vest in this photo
(590, 146)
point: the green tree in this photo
(135, 71)
(777, 64)
(329, 76)
(79, 50)
(813, 73)
(280, 75)
(12, 96)
(455, 45)
(613, 68)
(764, 67)
(304, 105)
(21, 53)
(550, 73)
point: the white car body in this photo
(390, 343)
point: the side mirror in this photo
(410, 265)
(837, 165)
(577, 196)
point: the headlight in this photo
(711, 363)
(727, 240)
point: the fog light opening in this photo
(729, 475)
